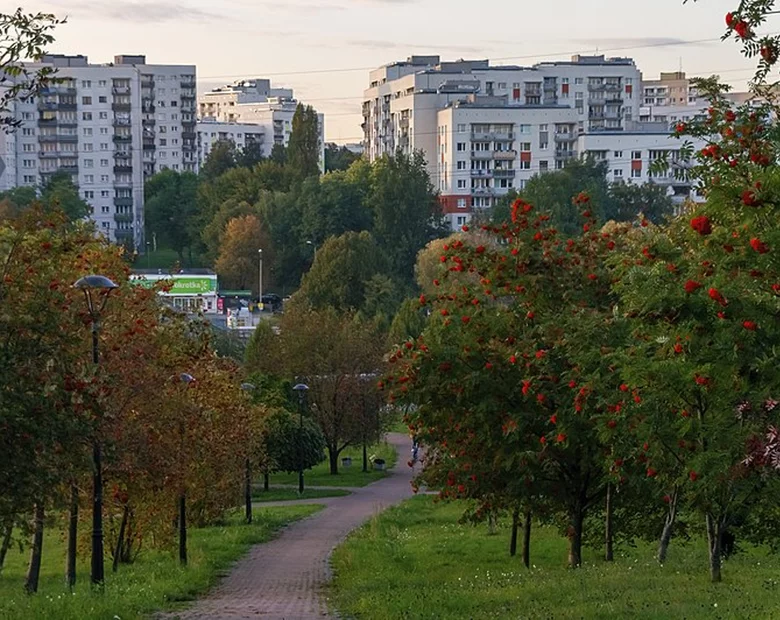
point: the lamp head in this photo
(301, 387)
(248, 387)
(95, 283)
(187, 378)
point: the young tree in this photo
(303, 149)
(170, 206)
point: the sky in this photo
(325, 48)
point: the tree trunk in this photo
(8, 529)
(609, 555)
(266, 481)
(527, 540)
(248, 491)
(575, 536)
(666, 534)
(365, 457)
(492, 524)
(714, 531)
(183, 529)
(515, 525)
(73, 527)
(120, 540)
(34, 568)
(333, 458)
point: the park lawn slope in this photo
(277, 494)
(155, 581)
(416, 561)
(320, 476)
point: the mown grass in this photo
(320, 476)
(415, 561)
(283, 494)
(155, 581)
(165, 258)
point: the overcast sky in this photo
(324, 48)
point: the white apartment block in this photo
(250, 110)
(105, 126)
(401, 105)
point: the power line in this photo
(503, 58)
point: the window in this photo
(88, 146)
(461, 183)
(86, 84)
(578, 80)
(461, 220)
(524, 129)
(525, 165)
(86, 101)
(102, 99)
(618, 154)
(86, 116)
(103, 115)
(461, 203)
(544, 146)
(461, 165)
(160, 91)
(542, 127)
(525, 146)
(174, 117)
(89, 179)
(103, 146)
(502, 85)
(103, 163)
(29, 179)
(88, 163)
(104, 193)
(89, 194)
(461, 146)
(617, 173)
(564, 80)
(174, 141)
(461, 128)
(104, 131)
(174, 104)
(28, 131)
(28, 148)
(28, 163)
(104, 178)
(543, 165)
(636, 173)
(578, 97)
(87, 131)
(102, 83)
(163, 142)
(27, 116)
(636, 154)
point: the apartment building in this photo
(401, 105)
(250, 110)
(104, 125)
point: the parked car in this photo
(272, 302)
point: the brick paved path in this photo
(283, 579)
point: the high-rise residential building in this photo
(250, 110)
(107, 126)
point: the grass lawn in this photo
(415, 561)
(320, 476)
(154, 581)
(280, 495)
(164, 259)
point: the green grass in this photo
(155, 581)
(280, 495)
(320, 476)
(415, 561)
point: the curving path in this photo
(283, 579)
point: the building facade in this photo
(250, 110)
(104, 126)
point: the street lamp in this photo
(188, 380)
(260, 280)
(301, 389)
(96, 291)
(248, 387)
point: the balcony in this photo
(187, 84)
(120, 90)
(123, 234)
(504, 173)
(595, 87)
(403, 123)
(483, 174)
(121, 122)
(503, 137)
(120, 168)
(67, 105)
(121, 184)
(563, 154)
(122, 138)
(48, 122)
(121, 107)
(58, 89)
(47, 105)
(505, 155)
(148, 144)
(482, 191)
(597, 116)
(565, 137)
(147, 84)
(49, 154)
(481, 155)
(123, 217)
(189, 135)
(123, 202)
(481, 137)
(612, 86)
(71, 169)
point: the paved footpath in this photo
(283, 579)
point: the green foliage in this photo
(303, 148)
(408, 323)
(467, 575)
(221, 158)
(287, 433)
(406, 211)
(626, 201)
(338, 158)
(170, 201)
(342, 270)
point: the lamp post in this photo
(148, 254)
(248, 387)
(94, 288)
(260, 279)
(301, 389)
(188, 380)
